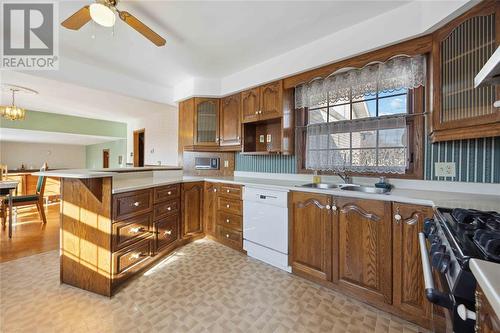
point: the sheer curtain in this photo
(396, 73)
(375, 145)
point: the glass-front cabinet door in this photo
(206, 121)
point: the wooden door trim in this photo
(136, 145)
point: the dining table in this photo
(6, 189)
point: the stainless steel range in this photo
(454, 236)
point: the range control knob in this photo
(437, 247)
(434, 239)
(429, 226)
(441, 261)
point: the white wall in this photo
(33, 155)
(160, 136)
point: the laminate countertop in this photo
(419, 197)
(488, 277)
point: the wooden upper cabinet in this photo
(460, 49)
(230, 127)
(271, 96)
(408, 288)
(192, 209)
(311, 252)
(365, 251)
(206, 121)
(250, 105)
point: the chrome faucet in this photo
(344, 176)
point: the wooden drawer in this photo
(131, 204)
(131, 230)
(230, 237)
(164, 193)
(128, 260)
(166, 231)
(166, 208)
(229, 220)
(229, 205)
(230, 191)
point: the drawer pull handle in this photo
(215, 190)
(137, 203)
(137, 255)
(227, 235)
(227, 206)
(136, 230)
(169, 208)
(397, 217)
(168, 233)
(334, 208)
(227, 220)
(169, 192)
(228, 191)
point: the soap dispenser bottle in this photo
(316, 177)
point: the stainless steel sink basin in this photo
(365, 189)
(320, 185)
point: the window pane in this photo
(364, 139)
(340, 140)
(392, 137)
(392, 157)
(339, 157)
(318, 116)
(340, 112)
(365, 97)
(392, 92)
(364, 109)
(392, 105)
(364, 157)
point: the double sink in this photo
(347, 187)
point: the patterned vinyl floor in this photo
(203, 287)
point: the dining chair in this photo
(28, 200)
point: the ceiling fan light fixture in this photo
(102, 15)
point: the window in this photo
(345, 123)
(360, 135)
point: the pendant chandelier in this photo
(13, 112)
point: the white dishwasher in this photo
(265, 225)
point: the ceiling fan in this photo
(103, 13)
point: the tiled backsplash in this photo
(477, 160)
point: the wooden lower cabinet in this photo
(408, 283)
(192, 209)
(209, 208)
(365, 251)
(229, 215)
(487, 320)
(165, 231)
(311, 235)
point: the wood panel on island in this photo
(364, 248)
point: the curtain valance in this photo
(394, 74)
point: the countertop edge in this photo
(482, 271)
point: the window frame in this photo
(416, 105)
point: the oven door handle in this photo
(433, 295)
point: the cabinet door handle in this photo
(169, 208)
(215, 190)
(397, 218)
(228, 191)
(167, 232)
(227, 235)
(256, 112)
(227, 206)
(328, 207)
(136, 230)
(169, 192)
(137, 203)
(334, 208)
(227, 220)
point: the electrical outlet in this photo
(268, 138)
(226, 164)
(445, 169)
(261, 138)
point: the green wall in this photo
(116, 148)
(54, 122)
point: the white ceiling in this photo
(20, 135)
(208, 38)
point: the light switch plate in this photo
(261, 138)
(268, 138)
(445, 169)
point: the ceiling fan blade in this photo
(78, 19)
(141, 28)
